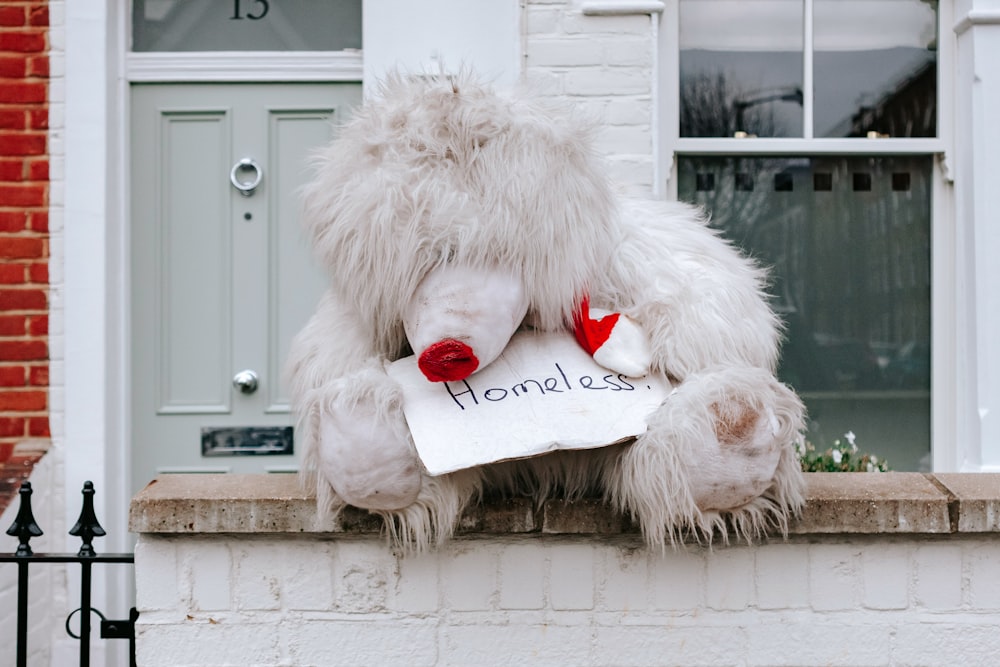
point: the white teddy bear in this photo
(449, 217)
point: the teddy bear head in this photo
(436, 172)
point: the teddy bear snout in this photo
(461, 317)
(448, 360)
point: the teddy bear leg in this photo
(364, 448)
(433, 516)
(719, 446)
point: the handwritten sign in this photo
(542, 394)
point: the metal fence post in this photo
(87, 527)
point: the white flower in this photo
(849, 436)
(837, 456)
(871, 468)
(874, 460)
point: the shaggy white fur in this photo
(431, 173)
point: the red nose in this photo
(448, 360)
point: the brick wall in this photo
(876, 601)
(605, 65)
(24, 224)
(880, 570)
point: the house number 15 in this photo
(261, 13)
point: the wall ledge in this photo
(837, 503)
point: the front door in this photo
(222, 277)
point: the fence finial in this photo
(24, 526)
(87, 527)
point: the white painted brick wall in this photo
(605, 65)
(556, 600)
(57, 186)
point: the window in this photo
(807, 130)
(245, 25)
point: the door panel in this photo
(221, 281)
(291, 261)
(192, 281)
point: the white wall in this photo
(424, 36)
(606, 65)
(840, 601)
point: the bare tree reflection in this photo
(713, 105)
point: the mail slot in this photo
(247, 441)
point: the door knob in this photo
(246, 188)
(246, 381)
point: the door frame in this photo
(92, 240)
(96, 239)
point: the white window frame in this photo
(951, 449)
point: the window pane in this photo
(875, 67)
(848, 240)
(741, 68)
(246, 25)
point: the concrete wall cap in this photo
(854, 503)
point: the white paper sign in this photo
(544, 393)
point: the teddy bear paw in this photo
(741, 464)
(367, 459)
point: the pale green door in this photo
(221, 276)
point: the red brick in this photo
(22, 144)
(39, 119)
(23, 400)
(38, 325)
(12, 221)
(39, 273)
(38, 221)
(13, 325)
(38, 376)
(38, 16)
(23, 299)
(38, 427)
(12, 376)
(38, 67)
(12, 274)
(28, 195)
(38, 170)
(11, 16)
(12, 427)
(20, 247)
(13, 68)
(11, 119)
(23, 92)
(11, 170)
(24, 350)
(23, 41)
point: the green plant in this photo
(841, 456)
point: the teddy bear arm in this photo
(355, 441)
(718, 450)
(334, 342)
(699, 301)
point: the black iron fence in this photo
(86, 528)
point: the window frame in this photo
(947, 452)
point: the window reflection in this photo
(741, 68)
(848, 240)
(875, 67)
(245, 25)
